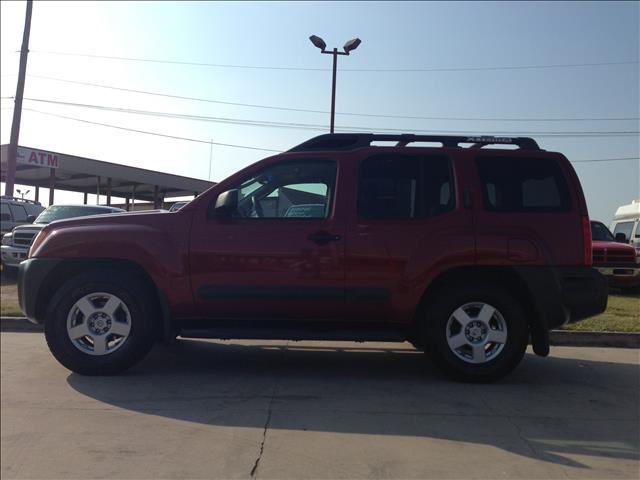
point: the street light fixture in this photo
(20, 192)
(350, 46)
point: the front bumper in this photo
(12, 256)
(31, 282)
(621, 276)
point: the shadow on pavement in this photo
(548, 408)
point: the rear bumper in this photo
(584, 292)
(565, 294)
(31, 276)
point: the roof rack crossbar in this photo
(18, 199)
(351, 141)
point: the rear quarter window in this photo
(523, 184)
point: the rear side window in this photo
(404, 187)
(5, 213)
(514, 184)
(19, 213)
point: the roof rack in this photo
(351, 141)
(18, 199)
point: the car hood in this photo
(30, 227)
(612, 245)
(144, 217)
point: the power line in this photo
(271, 107)
(605, 160)
(208, 142)
(260, 123)
(243, 146)
(367, 70)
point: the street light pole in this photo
(348, 47)
(333, 90)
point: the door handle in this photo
(322, 238)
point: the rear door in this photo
(406, 225)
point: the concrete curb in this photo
(564, 338)
(568, 338)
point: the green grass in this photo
(9, 301)
(10, 311)
(622, 315)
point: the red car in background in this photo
(616, 261)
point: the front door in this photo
(280, 255)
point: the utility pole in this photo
(17, 108)
(210, 159)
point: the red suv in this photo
(464, 251)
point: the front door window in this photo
(288, 190)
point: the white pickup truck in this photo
(15, 245)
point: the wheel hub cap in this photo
(99, 323)
(476, 332)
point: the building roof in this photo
(80, 174)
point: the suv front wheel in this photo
(99, 323)
(476, 334)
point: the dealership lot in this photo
(204, 409)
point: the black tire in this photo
(138, 300)
(433, 333)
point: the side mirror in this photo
(31, 218)
(226, 203)
(621, 238)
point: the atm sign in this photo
(28, 156)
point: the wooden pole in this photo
(12, 153)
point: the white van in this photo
(17, 211)
(626, 222)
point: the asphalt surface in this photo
(206, 409)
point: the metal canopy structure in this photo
(59, 171)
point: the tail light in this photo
(586, 237)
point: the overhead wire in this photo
(146, 132)
(365, 70)
(306, 126)
(175, 137)
(305, 110)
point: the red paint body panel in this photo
(156, 241)
(187, 252)
(531, 238)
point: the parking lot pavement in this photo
(205, 409)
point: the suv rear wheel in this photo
(476, 334)
(99, 323)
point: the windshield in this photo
(601, 233)
(59, 212)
